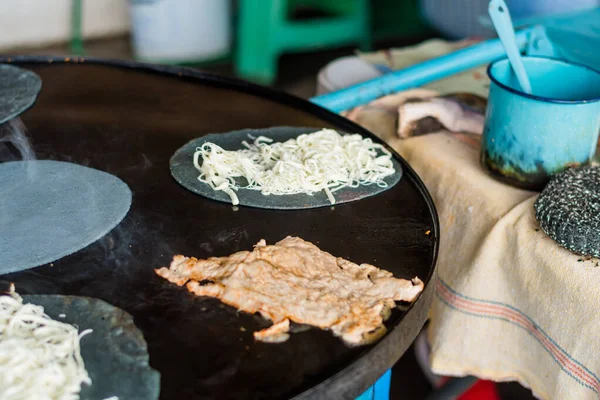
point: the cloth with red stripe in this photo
(510, 303)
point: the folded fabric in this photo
(510, 303)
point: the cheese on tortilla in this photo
(39, 357)
(311, 163)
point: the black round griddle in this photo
(128, 119)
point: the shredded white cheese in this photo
(319, 161)
(39, 357)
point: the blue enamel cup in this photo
(527, 138)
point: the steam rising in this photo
(14, 142)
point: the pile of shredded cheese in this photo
(313, 162)
(39, 358)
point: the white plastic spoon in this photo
(501, 18)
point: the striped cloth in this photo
(510, 303)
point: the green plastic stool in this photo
(265, 31)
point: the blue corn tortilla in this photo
(115, 353)
(50, 209)
(184, 172)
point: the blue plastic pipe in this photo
(420, 74)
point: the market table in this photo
(510, 303)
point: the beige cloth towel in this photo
(510, 303)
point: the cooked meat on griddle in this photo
(295, 280)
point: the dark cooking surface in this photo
(129, 122)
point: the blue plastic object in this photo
(380, 390)
(574, 37)
(526, 137)
(500, 16)
(420, 74)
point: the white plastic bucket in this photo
(344, 72)
(176, 31)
